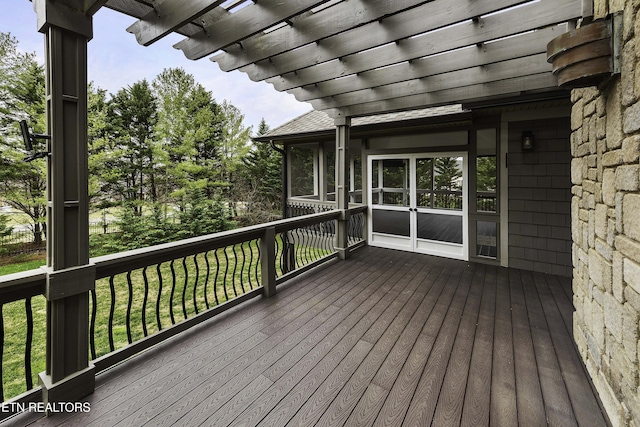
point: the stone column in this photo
(605, 171)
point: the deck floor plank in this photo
(475, 411)
(432, 338)
(218, 389)
(531, 404)
(428, 390)
(450, 402)
(503, 409)
(585, 405)
(383, 338)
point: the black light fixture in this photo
(528, 140)
(29, 139)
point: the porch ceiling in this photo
(362, 57)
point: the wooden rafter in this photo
(309, 28)
(244, 23)
(530, 43)
(385, 32)
(169, 16)
(360, 57)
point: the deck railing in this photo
(145, 296)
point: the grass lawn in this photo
(15, 264)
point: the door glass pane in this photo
(487, 171)
(424, 183)
(390, 182)
(391, 222)
(443, 228)
(486, 239)
(447, 183)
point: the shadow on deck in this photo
(384, 338)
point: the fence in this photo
(22, 241)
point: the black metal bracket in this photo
(29, 140)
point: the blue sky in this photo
(116, 60)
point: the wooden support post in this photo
(69, 376)
(268, 261)
(343, 125)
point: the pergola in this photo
(348, 57)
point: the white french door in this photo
(418, 202)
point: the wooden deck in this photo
(384, 338)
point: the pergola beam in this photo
(169, 16)
(471, 76)
(473, 93)
(308, 28)
(242, 24)
(442, 13)
(92, 6)
(532, 43)
(492, 27)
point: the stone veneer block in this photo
(631, 274)
(632, 118)
(628, 178)
(631, 216)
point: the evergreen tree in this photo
(190, 130)
(260, 181)
(22, 184)
(447, 180)
(127, 154)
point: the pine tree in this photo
(22, 184)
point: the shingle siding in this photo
(540, 197)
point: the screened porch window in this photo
(303, 167)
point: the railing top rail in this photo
(138, 258)
(17, 286)
(26, 284)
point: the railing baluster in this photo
(92, 323)
(144, 301)
(195, 283)
(226, 271)
(206, 279)
(249, 278)
(258, 268)
(129, 305)
(173, 288)
(184, 288)
(281, 252)
(235, 269)
(242, 270)
(111, 313)
(158, 316)
(215, 288)
(28, 343)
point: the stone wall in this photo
(540, 197)
(605, 210)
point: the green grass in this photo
(232, 279)
(16, 264)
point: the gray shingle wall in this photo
(540, 197)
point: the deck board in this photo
(383, 338)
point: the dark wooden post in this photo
(268, 261)
(343, 125)
(69, 376)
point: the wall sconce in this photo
(29, 140)
(528, 140)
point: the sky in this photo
(116, 60)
